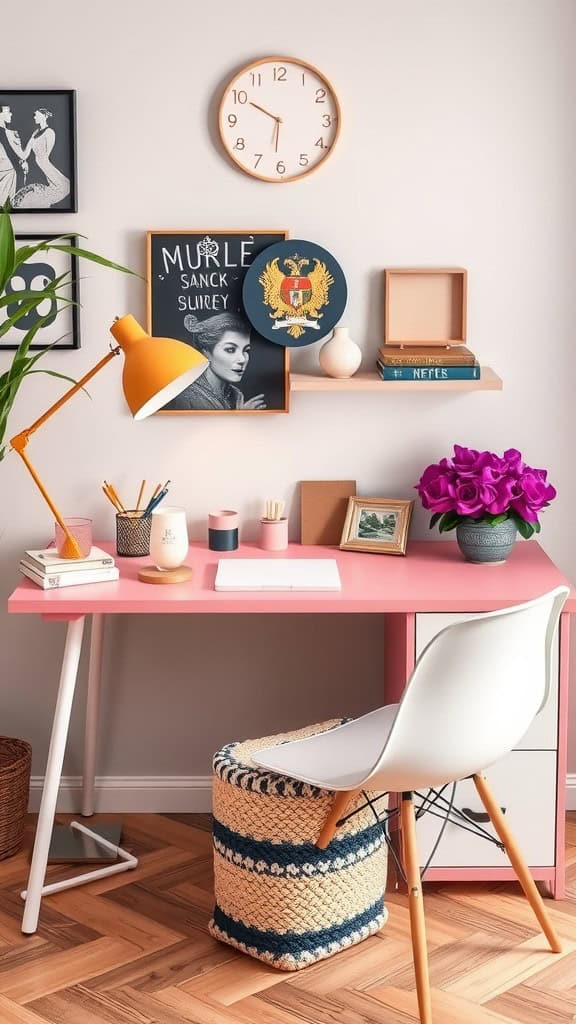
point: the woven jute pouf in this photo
(279, 898)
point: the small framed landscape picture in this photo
(38, 150)
(379, 525)
(59, 327)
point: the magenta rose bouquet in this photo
(487, 488)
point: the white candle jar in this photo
(168, 537)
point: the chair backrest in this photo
(475, 689)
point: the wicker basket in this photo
(278, 897)
(15, 763)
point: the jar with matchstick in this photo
(274, 527)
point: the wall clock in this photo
(279, 119)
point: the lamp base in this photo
(151, 574)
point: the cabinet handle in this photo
(479, 816)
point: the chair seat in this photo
(340, 759)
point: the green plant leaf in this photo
(27, 301)
(21, 356)
(62, 376)
(7, 249)
(496, 520)
(434, 519)
(524, 529)
(449, 521)
(93, 257)
(537, 527)
(24, 252)
(35, 295)
(16, 373)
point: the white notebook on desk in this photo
(278, 574)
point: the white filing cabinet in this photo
(524, 783)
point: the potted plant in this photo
(23, 364)
(486, 498)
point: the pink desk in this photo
(431, 579)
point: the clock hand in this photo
(278, 123)
(267, 112)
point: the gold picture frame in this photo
(377, 525)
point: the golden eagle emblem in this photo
(296, 298)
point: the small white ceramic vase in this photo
(340, 357)
(168, 537)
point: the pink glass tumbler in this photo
(81, 530)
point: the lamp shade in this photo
(156, 370)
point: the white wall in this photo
(457, 148)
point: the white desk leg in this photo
(92, 712)
(60, 726)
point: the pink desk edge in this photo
(432, 577)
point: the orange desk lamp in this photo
(155, 371)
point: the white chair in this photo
(474, 691)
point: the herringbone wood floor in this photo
(134, 949)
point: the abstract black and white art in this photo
(60, 327)
(38, 151)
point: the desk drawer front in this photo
(524, 783)
(543, 733)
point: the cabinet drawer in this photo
(524, 782)
(543, 733)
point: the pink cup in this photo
(274, 534)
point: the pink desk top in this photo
(432, 577)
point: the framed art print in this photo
(195, 283)
(38, 150)
(61, 327)
(294, 293)
(378, 525)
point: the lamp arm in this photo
(20, 441)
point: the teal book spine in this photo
(429, 372)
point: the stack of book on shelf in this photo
(48, 570)
(427, 362)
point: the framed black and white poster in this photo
(38, 150)
(195, 283)
(60, 328)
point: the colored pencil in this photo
(114, 494)
(154, 502)
(140, 493)
(111, 499)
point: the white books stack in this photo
(46, 568)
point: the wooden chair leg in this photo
(517, 860)
(416, 906)
(342, 800)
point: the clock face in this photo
(279, 119)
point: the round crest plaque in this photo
(294, 293)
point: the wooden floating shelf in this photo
(371, 381)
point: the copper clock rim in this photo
(299, 63)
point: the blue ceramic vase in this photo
(486, 544)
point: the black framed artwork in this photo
(61, 328)
(195, 295)
(38, 150)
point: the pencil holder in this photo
(132, 534)
(274, 534)
(223, 530)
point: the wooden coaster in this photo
(153, 575)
